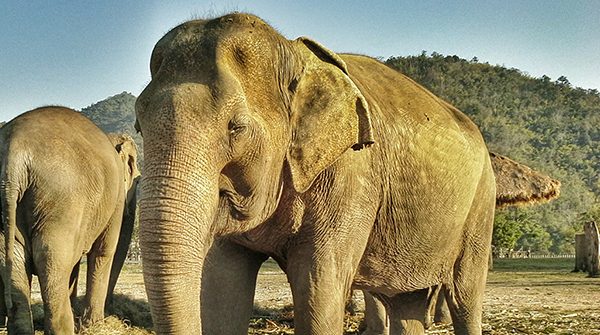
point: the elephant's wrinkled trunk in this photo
(176, 213)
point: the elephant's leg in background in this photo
(441, 312)
(376, 317)
(3, 313)
(73, 281)
(228, 286)
(407, 312)
(436, 294)
(100, 258)
(121, 252)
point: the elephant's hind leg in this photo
(20, 319)
(465, 294)
(54, 270)
(99, 265)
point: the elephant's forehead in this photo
(196, 30)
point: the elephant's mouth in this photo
(236, 203)
(252, 208)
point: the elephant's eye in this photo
(238, 125)
(237, 129)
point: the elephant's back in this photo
(399, 101)
(62, 151)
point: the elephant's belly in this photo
(418, 256)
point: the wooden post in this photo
(593, 243)
(580, 253)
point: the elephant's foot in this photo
(20, 326)
(91, 317)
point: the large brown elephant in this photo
(345, 171)
(65, 186)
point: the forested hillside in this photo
(548, 125)
(116, 114)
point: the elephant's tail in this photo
(9, 195)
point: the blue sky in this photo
(75, 53)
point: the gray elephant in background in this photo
(345, 171)
(65, 187)
(124, 144)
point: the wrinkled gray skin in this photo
(65, 187)
(252, 149)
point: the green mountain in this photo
(116, 114)
(548, 125)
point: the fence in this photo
(509, 253)
(552, 256)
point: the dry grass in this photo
(533, 297)
(517, 184)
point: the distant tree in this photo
(563, 81)
(506, 232)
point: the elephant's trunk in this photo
(176, 213)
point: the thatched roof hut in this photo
(517, 184)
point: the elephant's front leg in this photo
(228, 285)
(319, 289)
(408, 311)
(320, 283)
(320, 270)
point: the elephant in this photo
(124, 144)
(346, 172)
(65, 187)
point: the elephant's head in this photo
(234, 113)
(127, 152)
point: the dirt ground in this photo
(520, 299)
(532, 301)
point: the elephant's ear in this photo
(127, 150)
(329, 114)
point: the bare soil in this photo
(535, 300)
(522, 297)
